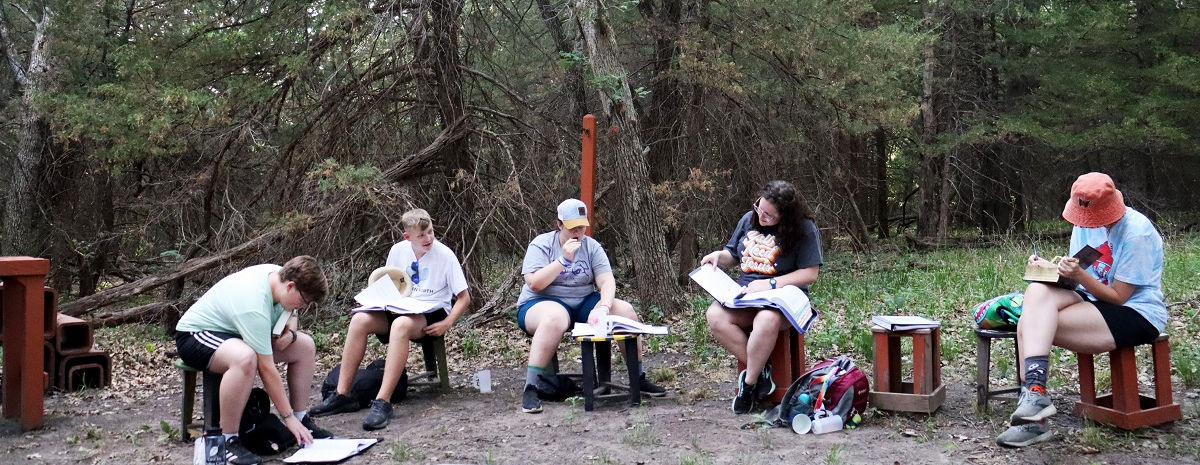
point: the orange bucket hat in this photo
(1094, 202)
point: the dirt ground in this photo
(693, 425)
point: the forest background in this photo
(149, 147)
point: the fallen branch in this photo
(87, 304)
(150, 312)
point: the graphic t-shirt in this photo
(1131, 252)
(241, 304)
(760, 257)
(573, 283)
(438, 276)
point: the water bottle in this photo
(210, 449)
(827, 424)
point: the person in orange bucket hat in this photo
(1118, 301)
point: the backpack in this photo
(261, 431)
(1000, 312)
(556, 388)
(845, 387)
(367, 382)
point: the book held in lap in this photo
(1047, 272)
(382, 295)
(790, 300)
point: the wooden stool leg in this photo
(212, 403)
(1087, 379)
(189, 405)
(631, 364)
(1161, 352)
(588, 354)
(922, 369)
(443, 368)
(936, 357)
(983, 368)
(883, 362)
(1124, 380)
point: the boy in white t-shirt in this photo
(437, 277)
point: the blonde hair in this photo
(416, 218)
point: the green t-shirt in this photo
(241, 304)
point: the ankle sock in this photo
(531, 374)
(1035, 371)
(300, 414)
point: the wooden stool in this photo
(925, 393)
(212, 410)
(983, 359)
(437, 372)
(787, 362)
(596, 352)
(1124, 407)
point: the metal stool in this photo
(212, 410)
(983, 359)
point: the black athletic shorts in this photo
(430, 318)
(197, 349)
(1128, 327)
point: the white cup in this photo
(801, 424)
(482, 381)
(827, 424)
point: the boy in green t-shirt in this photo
(229, 331)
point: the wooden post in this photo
(24, 300)
(587, 169)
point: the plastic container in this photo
(827, 424)
(210, 449)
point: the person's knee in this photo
(716, 316)
(360, 324)
(242, 361)
(1037, 291)
(768, 321)
(625, 309)
(305, 345)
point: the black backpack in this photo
(367, 382)
(556, 388)
(261, 431)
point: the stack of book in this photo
(903, 322)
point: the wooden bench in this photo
(1125, 407)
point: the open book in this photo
(1048, 272)
(611, 324)
(329, 450)
(382, 295)
(791, 300)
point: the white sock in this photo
(300, 415)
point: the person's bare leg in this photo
(362, 325)
(404, 330)
(237, 363)
(300, 357)
(727, 326)
(1038, 324)
(546, 321)
(625, 309)
(761, 342)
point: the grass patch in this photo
(641, 434)
(834, 457)
(405, 453)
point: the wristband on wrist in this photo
(289, 415)
(564, 262)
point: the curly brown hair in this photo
(307, 274)
(792, 213)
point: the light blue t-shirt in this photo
(1131, 252)
(241, 304)
(573, 283)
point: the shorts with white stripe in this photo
(197, 349)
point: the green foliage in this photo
(331, 175)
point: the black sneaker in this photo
(744, 401)
(651, 389)
(765, 386)
(336, 403)
(317, 431)
(530, 402)
(379, 416)
(237, 454)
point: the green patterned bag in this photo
(1000, 312)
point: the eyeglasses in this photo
(416, 273)
(762, 214)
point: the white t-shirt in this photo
(438, 276)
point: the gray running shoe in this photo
(1025, 434)
(1033, 405)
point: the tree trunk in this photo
(931, 173)
(18, 237)
(881, 190)
(653, 276)
(574, 81)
